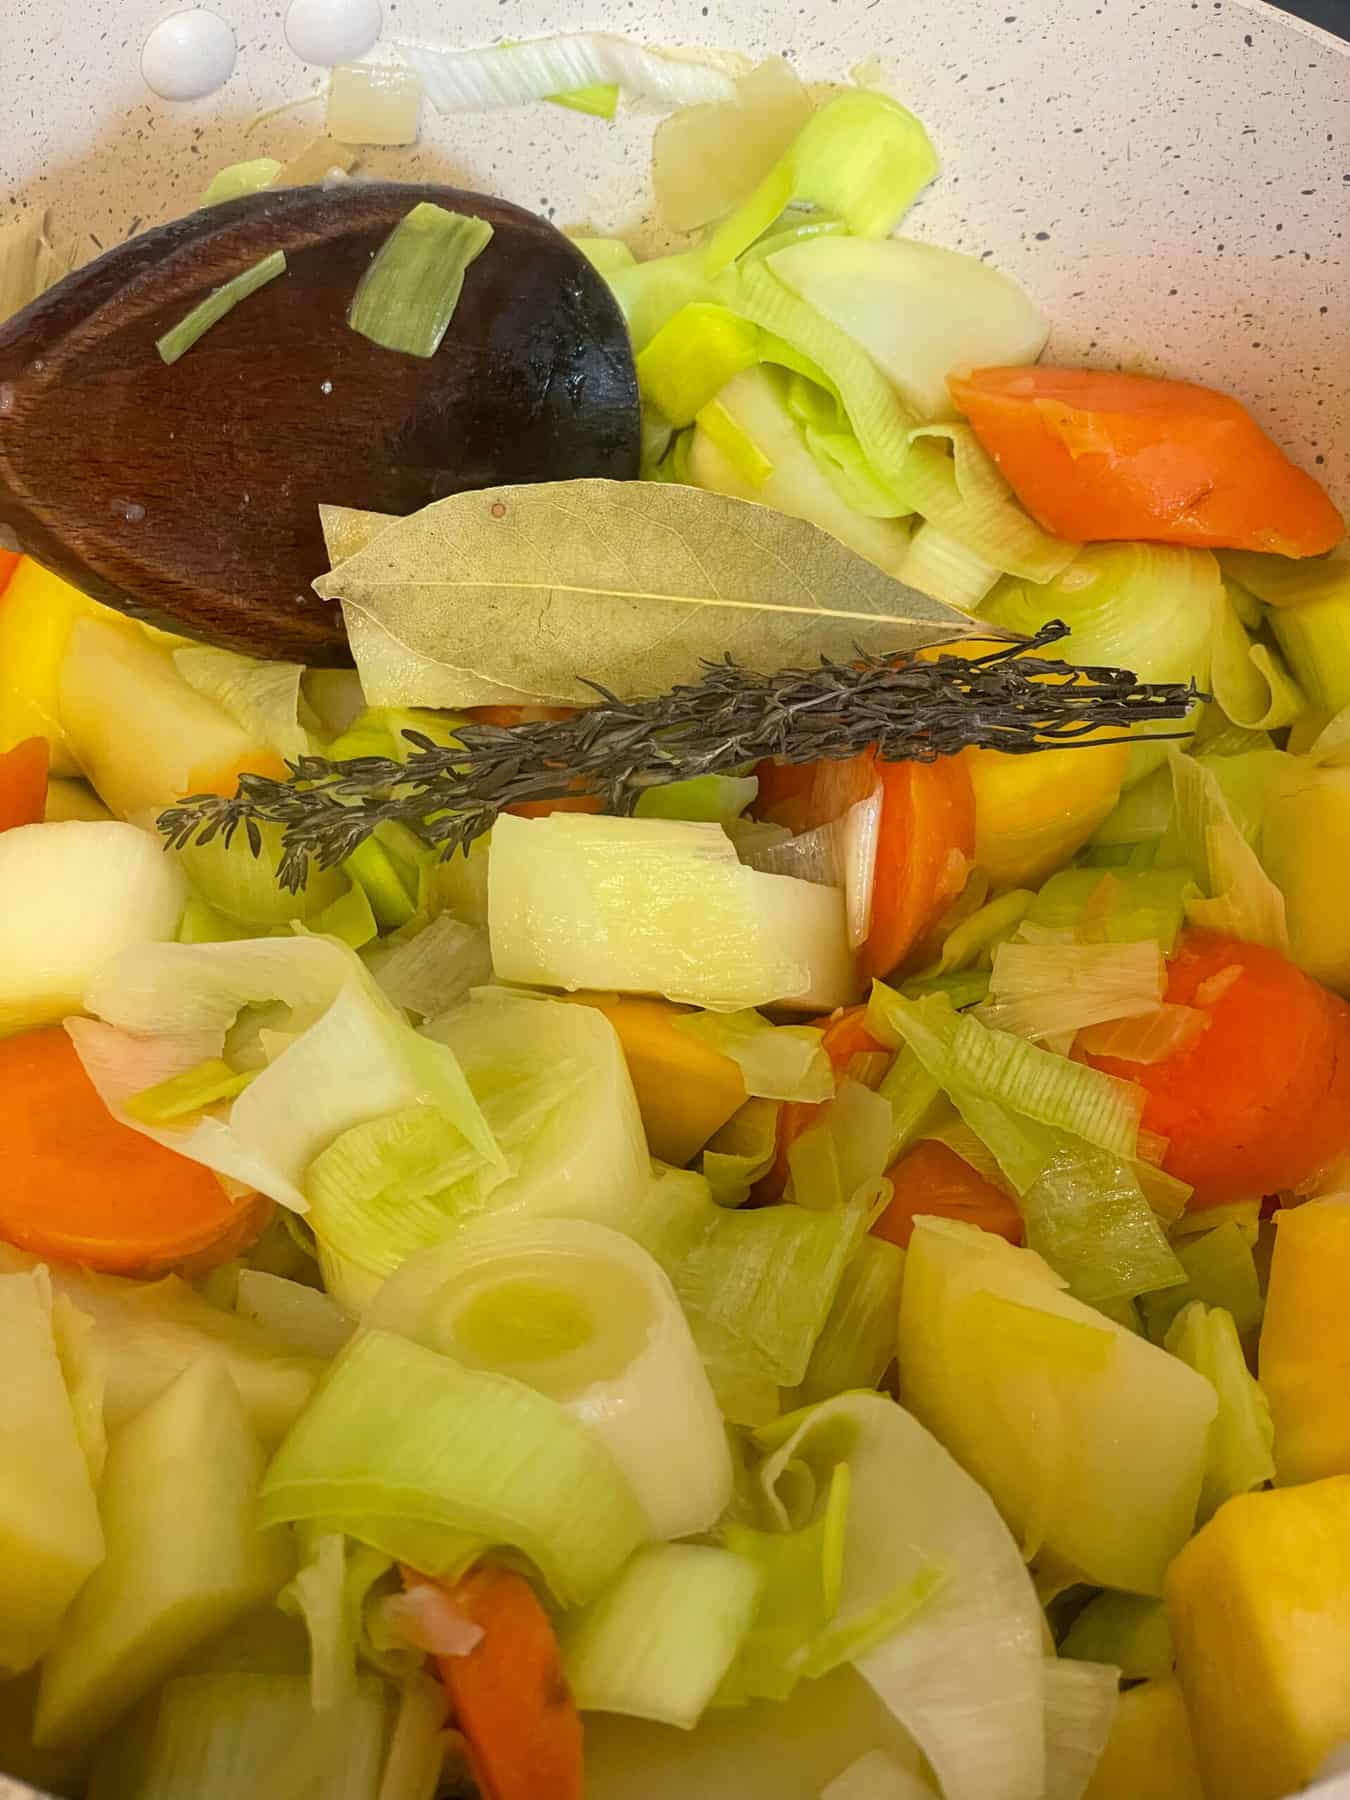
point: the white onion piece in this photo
(514, 74)
(840, 854)
(427, 1618)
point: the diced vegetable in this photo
(1150, 1748)
(180, 338)
(657, 1642)
(510, 74)
(1305, 837)
(82, 1187)
(656, 905)
(1095, 454)
(185, 1556)
(50, 1536)
(371, 103)
(23, 783)
(1250, 1106)
(1125, 1630)
(587, 1317)
(692, 358)
(1091, 1440)
(1260, 1611)
(407, 297)
(1305, 1341)
(917, 309)
(509, 1693)
(75, 895)
(453, 1467)
(1241, 1436)
(693, 178)
(1031, 813)
(931, 1180)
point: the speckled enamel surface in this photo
(1171, 178)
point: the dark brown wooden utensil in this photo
(188, 494)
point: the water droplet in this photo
(130, 510)
(187, 55)
(325, 387)
(9, 396)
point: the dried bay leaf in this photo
(529, 591)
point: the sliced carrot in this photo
(23, 783)
(568, 803)
(931, 1179)
(9, 561)
(1097, 455)
(1261, 1099)
(509, 1695)
(80, 1187)
(517, 715)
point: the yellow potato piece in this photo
(1305, 1341)
(1149, 1754)
(685, 1091)
(1259, 1603)
(37, 611)
(1033, 812)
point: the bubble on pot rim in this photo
(188, 55)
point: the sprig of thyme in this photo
(908, 709)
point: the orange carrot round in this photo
(1259, 1101)
(509, 1695)
(1096, 455)
(81, 1187)
(23, 783)
(931, 1179)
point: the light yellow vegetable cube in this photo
(1149, 1754)
(1259, 1603)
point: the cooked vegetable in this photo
(1251, 1105)
(856, 1345)
(1220, 1270)
(1125, 1630)
(1093, 454)
(932, 1180)
(1052, 991)
(369, 103)
(406, 299)
(509, 1693)
(1030, 814)
(241, 178)
(23, 783)
(1096, 906)
(511, 74)
(75, 895)
(185, 1556)
(1106, 1481)
(693, 179)
(1150, 1748)
(1260, 1612)
(81, 1187)
(50, 1535)
(1241, 1437)
(1305, 1341)
(180, 338)
(1305, 836)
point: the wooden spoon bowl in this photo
(188, 494)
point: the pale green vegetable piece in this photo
(1115, 906)
(1080, 1705)
(657, 1641)
(586, 1316)
(1124, 1629)
(180, 338)
(1091, 1440)
(453, 1468)
(1043, 991)
(406, 299)
(964, 494)
(941, 565)
(694, 180)
(778, 1062)
(241, 178)
(1242, 1437)
(205, 1084)
(920, 311)
(262, 697)
(50, 1536)
(1220, 1270)
(716, 798)
(417, 1747)
(857, 1344)
(743, 1150)
(1250, 681)
(1238, 897)
(185, 1556)
(84, 1369)
(664, 906)
(303, 1318)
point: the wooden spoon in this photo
(188, 494)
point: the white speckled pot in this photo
(1171, 178)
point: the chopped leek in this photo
(1315, 638)
(301, 1317)
(1239, 897)
(1220, 1270)
(1250, 681)
(434, 969)
(657, 1642)
(598, 99)
(856, 1346)
(650, 293)
(241, 178)
(1242, 1435)
(768, 1278)
(1090, 1439)
(964, 494)
(180, 338)
(694, 180)
(716, 798)
(1080, 1705)
(587, 1317)
(845, 1153)
(742, 1151)
(417, 1747)
(349, 918)
(1126, 1630)
(372, 103)
(454, 1466)
(203, 1085)
(692, 358)
(1086, 1214)
(606, 255)
(511, 74)
(778, 1062)
(1050, 990)
(725, 442)
(913, 1095)
(84, 1369)
(972, 1648)
(941, 565)
(407, 297)
(969, 937)
(1122, 907)
(372, 868)
(263, 698)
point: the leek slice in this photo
(407, 297)
(1126, 1630)
(913, 1095)
(418, 1746)
(1123, 907)
(301, 1317)
(941, 565)
(692, 357)
(328, 1593)
(372, 868)
(1250, 681)
(263, 698)
(844, 1156)
(1242, 1437)
(720, 799)
(657, 1642)
(193, 1091)
(455, 1466)
(1240, 898)
(1080, 1706)
(741, 1152)
(966, 497)
(650, 293)
(180, 338)
(511, 74)
(168, 1007)
(241, 178)
(973, 1647)
(1043, 991)
(585, 1316)
(242, 889)
(856, 1346)
(694, 180)
(778, 1062)
(349, 918)
(1220, 1270)
(434, 969)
